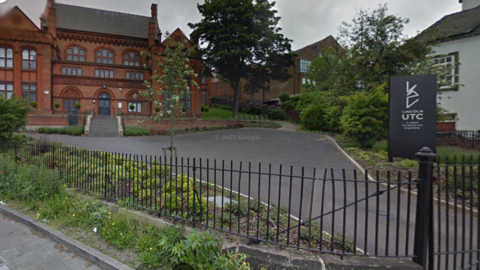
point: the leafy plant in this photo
(56, 104)
(313, 118)
(78, 105)
(13, 116)
(285, 96)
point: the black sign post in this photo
(413, 115)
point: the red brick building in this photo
(84, 55)
(293, 85)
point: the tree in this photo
(13, 116)
(241, 40)
(172, 80)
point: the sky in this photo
(303, 21)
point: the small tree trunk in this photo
(235, 97)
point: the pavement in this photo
(24, 248)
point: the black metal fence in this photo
(466, 139)
(341, 212)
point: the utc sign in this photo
(413, 113)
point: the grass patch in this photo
(222, 114)
(69, 130)
(135, 131)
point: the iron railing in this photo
(336, 211)
(466, 139)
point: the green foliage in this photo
(69, 130)
(198, 250)
(291, 103)
(205, 108)
(285, 96)
(78, 105)
(120, 231)
(366, 116)
(56, 104)
(306, 99)
(276, 114)
(34, 104)
(13, 116)
(132, 106)
(135, 131)
(181, 196)
(236, 36)
(221, 113)
(313, 118)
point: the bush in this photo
(205, 108)
(69, 130)
(276, 114)
(332, 118)
(34, 104)
(284, 96)
(254, 111)
(56, 104)
(306, 99)
(313, 118)
(78, 105)
(13, 116)
(136, 131)
(365, 117)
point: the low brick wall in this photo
(179, 123)
(49, 120)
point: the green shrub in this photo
(56, 104)
(306, 99)
(135, 131)
(70, 130)
(34, 104)
(205, 108)
(13, 116)
(313, 118)
(284, 96)
(78, 105)
(120, 231)
(380, 146)
(332, 118)
(276, 114)
(254, 111)
(366, 116)
(181, 196)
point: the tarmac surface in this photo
(23, 248)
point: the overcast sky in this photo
(303, 21)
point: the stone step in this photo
(104, 126)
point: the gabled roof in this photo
(322, 44)
(9, 21)
(458, 25)
(101, 21)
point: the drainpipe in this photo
(51, 85)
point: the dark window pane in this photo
(97, 73)
(99, 60)
(2, 52)
(137, 76)
(137, 57)
(64, 70)
(125, 62)
(9, 63)
(25, 64)
(102, 74)
(82, 52)
(99, 53)
(141, 76)
(69, 51)
(75, 50)
(126, 56)
(25, 87)
(69, 71)
(137, 63)
(74, 72)
(75, 58)
(33, 55)
(69, 57)
(9, 53)
(128, 75)
(110, 55)
(132, 55)
(111, 73)
(104, 53)
(79, 72)
(33, 87)
(110, 61)
(104, 60)
(131, 63)
(2, 62)
(82, 58)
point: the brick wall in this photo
(49, 120)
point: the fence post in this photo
(424, 207)
(105, 174)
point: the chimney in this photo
(151, 34)
(52, 18)
(154, 12)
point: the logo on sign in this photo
(412, 96)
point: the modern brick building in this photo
(293, 85)
(85, 55)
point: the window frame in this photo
(29, 61)
(106, 57)
(72, 54)
(303, 65)
(6, 91)
(137, 104)
(132, 75)
(29, 92)
(455, 71)
(183, 101)
(65, 71)
(135, 62)
(100, 71)
(69, 102)
(5, 58)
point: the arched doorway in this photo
(104, 104)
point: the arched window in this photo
(104, 56)
(75, 53)
(131, 59)
(70, 97)
(134, 102)
(6, 58)
(29, 58)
